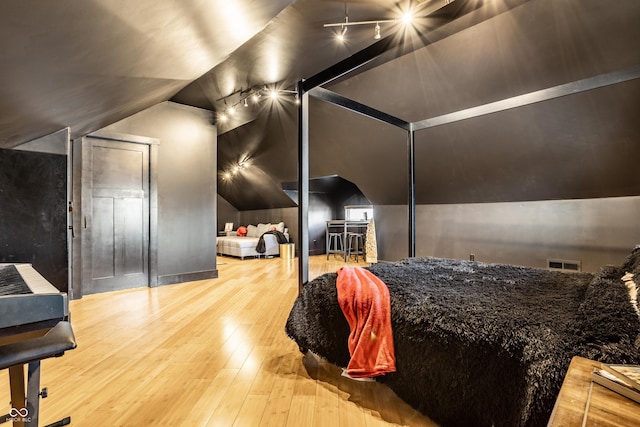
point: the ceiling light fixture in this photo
(236, 168)
(407, 18)
(253, 93)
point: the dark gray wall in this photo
(186, 187)
(595, 232)
(33, 212)
(226, 212)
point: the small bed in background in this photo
(484, 344)
(254, 241)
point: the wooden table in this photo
(574, 406)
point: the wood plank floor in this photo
(207, 353)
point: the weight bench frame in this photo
(25, 402)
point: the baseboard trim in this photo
(171, 279)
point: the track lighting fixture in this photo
(236, 168)
(254, 94)
(340, 35)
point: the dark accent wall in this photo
(186, 188)
(595, 232)
(33, 213)
(226, 212)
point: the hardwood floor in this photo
(207, 353)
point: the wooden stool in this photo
(333, 241)
(355, 244)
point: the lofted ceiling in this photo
(87, 64)
(582, 145)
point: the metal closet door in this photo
(116, 225)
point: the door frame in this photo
(82, 208)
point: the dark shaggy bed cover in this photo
(479, 344)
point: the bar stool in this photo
(355, 244)
(333, 241)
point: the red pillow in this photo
(242, 231)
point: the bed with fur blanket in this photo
(483, 344)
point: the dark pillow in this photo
(608, 322)
(632, 264)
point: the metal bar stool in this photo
(334, 240)
(355, 244)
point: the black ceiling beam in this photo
(542, 95)
(350, 64)
(355, 106)
(442, 16)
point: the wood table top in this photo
(582, 402)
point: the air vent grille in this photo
(564, 265)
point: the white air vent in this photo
(564, 265)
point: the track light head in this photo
(341, 34)
(376, 31)
(407, 17)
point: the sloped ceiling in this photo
(579, 146)
(87, 64)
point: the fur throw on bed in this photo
(479, 344)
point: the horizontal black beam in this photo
(444, 15)
(351, 63)
(355, 106)
(531, 98)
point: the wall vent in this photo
(564, 265)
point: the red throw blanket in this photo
(364, 300)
